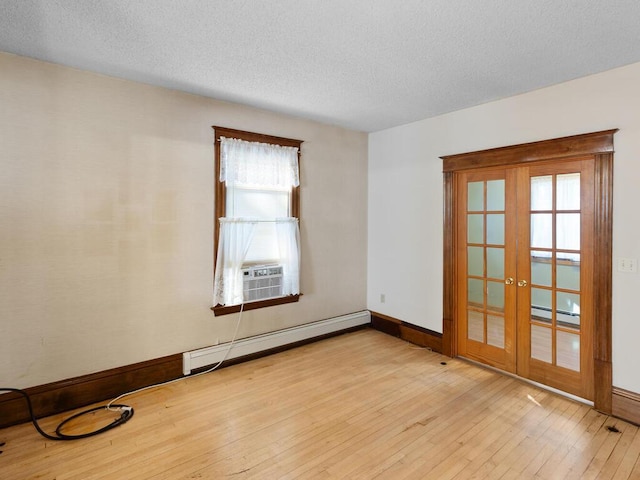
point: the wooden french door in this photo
(524, 275)
(486, 253)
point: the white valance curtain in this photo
(258, 164)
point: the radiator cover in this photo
(211, 355)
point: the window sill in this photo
(225, 310)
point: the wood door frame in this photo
(600, 146)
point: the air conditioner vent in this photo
(262, 282)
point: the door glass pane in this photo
(495, 195)
(495, 262)
(475, 326)
(541, 343)
(475, 261)
(495, 331)
(475, 228)
(495, 295)
(568, 350)
(541, 230)
(495, 228)
(541, 268)
(541, 305)
(568, 310)
(542, 192)
(568, 274)
(475, 292)
(568, 231)
(475, 196)
(568, 191)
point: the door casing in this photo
(598, 144)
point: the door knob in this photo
(522, 283)
(509, 281)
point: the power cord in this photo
(127, 413)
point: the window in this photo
(257, 254)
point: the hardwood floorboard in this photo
(363, 405)
(630, 459)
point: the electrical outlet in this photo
(382, 298)
(629, 265)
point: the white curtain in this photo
(254, 165)
(258, 164)
(233, 244)
(289, 247)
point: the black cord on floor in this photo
(125, 416)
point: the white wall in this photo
(106, 221)
(405, 194)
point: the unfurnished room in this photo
(319, 240)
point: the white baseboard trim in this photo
(211, 355)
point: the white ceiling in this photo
(361, 64)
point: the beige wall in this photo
(106, 218)
(405, 262)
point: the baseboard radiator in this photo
(248, 346)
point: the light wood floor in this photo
(362, 405)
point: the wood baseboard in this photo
(626, 405)
(80, 391)
(411, 333)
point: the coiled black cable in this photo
(125, 416)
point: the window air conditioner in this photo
(262, 282)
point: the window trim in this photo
(220, 191)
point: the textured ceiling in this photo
(361, 64)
